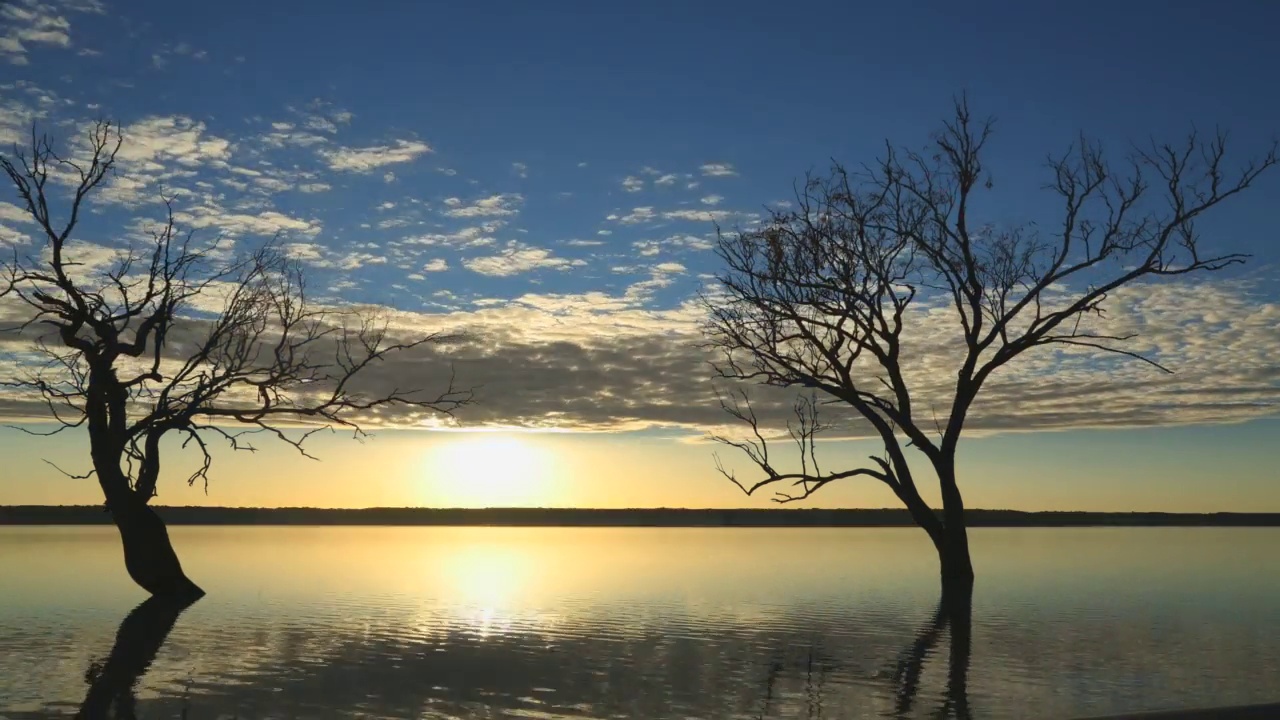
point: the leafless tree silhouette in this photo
(818, 296)
(174, 340)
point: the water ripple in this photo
(534, 628)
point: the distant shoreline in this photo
(639, 517)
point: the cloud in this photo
(697, 215)
(314, 187)
(597, 361)
(32, 22)
(435, 265)
(10, 213)
(677, 243)
(718, 170)
(388, 177)
(668, 179)
(518, 258)
(12, 216)
(156, 140)
(493, 206)
(636, 216)
(284, 134)
(264, 223)
(632, 184)
(162, 57)
(317, 255)
(615, 361)
(368, 159)
(520, 170)
(168, 153)
(712, 200)
(468, 237)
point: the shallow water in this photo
(648, 623)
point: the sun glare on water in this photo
(490, 470)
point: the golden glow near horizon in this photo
(490, 469)
(1115, 470)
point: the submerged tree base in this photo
(148, 553)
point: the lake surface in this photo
(654, 623)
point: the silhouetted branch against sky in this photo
(129, 350)
(823, 295)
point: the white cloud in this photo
(310, 253)
(518, 258)
(284, 134)
(712, 199)
(696, 215)
(155, 140)
(317, 255)
(10, 213)
(678, 243)
(10, 217)
(615, 361)
(161, 58)
(264, 223)
(481, 235)
(667, 179)
(29, 23)
(632, 184)
(493, 206)
(368, 159)
(165, 152)
(718, 170)
(520, 170)
(388, 177)
(637, 215)
(314, 187)
(436, 265)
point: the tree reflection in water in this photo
(952, 617)
(398, 675)
(141, 634)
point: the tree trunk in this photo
(148, 555)
(953, 556)
(953, 550)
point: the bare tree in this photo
(818, 296)
(170, 341)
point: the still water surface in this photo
(648, 623)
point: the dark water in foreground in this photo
(649, 623)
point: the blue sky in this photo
(547, 174)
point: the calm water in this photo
(649, 623)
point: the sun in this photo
(490, 470)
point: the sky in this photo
(547, 178)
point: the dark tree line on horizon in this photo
(623, 517)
